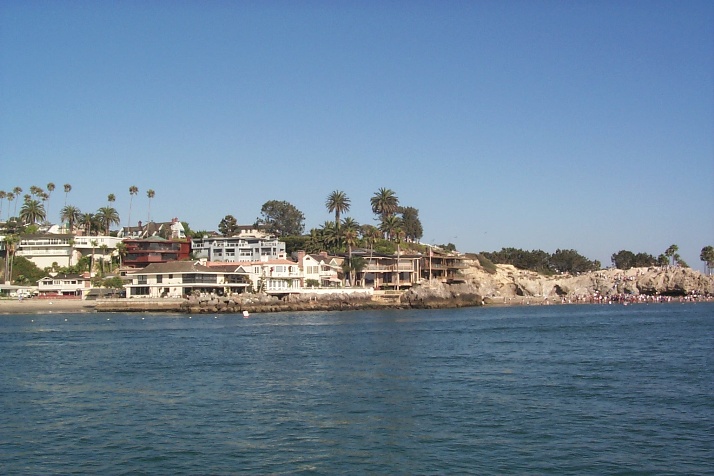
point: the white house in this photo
(181, 278)
(278, 276)
(64, 285)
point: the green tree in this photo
(411, 223)
(32, 211)
(25, 272)
(623, 259)
(121, 252)
(670, 252)
(707, 255)
(389, 226)
(349, 233)
(384, 202)
(228, 226)
(281, 218)
(71, 215)
(107, 216)
(330, 235)
(3, 195)
(339, 203)
(87, 220)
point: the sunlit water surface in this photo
(527, 390)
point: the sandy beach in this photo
(45, 306)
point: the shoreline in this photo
(48, 306)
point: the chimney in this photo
(300, 256)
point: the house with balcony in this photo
(238, 249)
(444, 266)
(64, 249)
(319, 268)
(154, 249)
(183, 278)
(381, 271)
(276, 277)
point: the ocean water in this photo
(522, 390)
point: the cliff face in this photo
(509, 282)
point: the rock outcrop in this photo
(508, 283)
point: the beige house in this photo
(181, 278)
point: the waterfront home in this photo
(443, 266)
(319, 268)
(245, 247)
(64, 249)
(276, 277)
(154, 249)
(183, 278)
(64, 285)
(381, 271)
(170, 230)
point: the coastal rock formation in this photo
(435, 294)
(508, 283)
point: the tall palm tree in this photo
(348, 233)
(94, 244)
(3, 194)
(108, 216)
(11, 242)
(17, 191)
(384, 202)
(35, 191)
(150, 194)
(339, 203)
(133, 190)
(50, 189)
(111, 198)
(71, 215)
(10, 197)
(31, 212)
(67, 189)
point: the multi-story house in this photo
(48, 249)
(319, 268)
(236, 249)
(64, 285)
(170, 230)
(443, 266)
(154, 249)
(278, 276)
(182, 278)
(389, 271)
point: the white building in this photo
(238, 249)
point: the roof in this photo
(174, 267)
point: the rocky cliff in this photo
(508, 283)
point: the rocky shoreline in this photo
(506, 286)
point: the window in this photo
(159, 278)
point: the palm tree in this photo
(121, 251)
(67, 189)
(111, 198)
(133, 190)
(50, 189)
(71, 215)
(671, 251)
(87, 220)
(384, 202)
(339, 203)
(94, 244)
(150, 194)
(11, 242)
(104, 249)
(10, 197)
(108, 216)
(329, 234)
(707, 255)
(3, 194)
(17, 191)
(349, 235)
(371, 233)
(35, 191)
(31, 212)
(389, 225)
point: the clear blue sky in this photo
(528, 124)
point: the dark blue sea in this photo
(520, 390)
